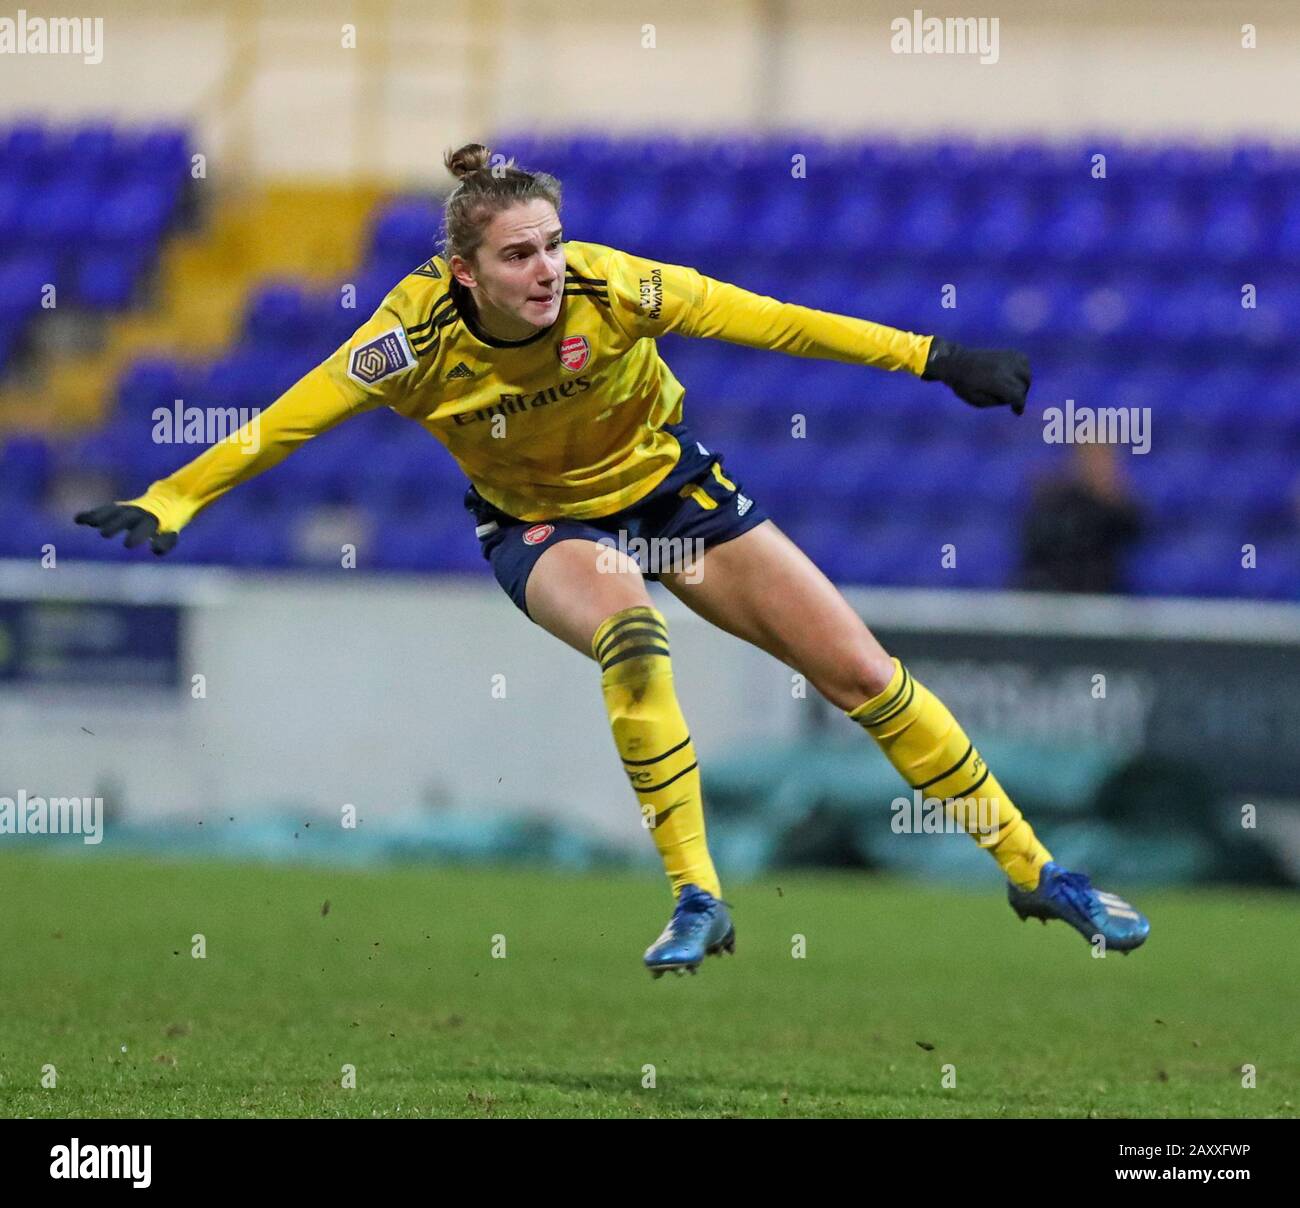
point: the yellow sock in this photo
(932, 753)
(650, 732)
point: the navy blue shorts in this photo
(669, 523)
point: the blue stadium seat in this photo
(406, 229)
(27, 152)
(22, 280)
(1233, 228)
(159, 153)
(134, 214)
(151, 382)
(93, 147)
(108, 280)
(12, 199)
(60, 213)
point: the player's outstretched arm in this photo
(368, 371)
(653, 298)
(310, 406)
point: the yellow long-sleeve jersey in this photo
(566, 423)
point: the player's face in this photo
(518, 274)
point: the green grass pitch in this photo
(398, 979)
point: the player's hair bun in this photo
(486, 185)
(472, 157)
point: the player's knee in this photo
(878, 673)
(617, 593)
(857, 679)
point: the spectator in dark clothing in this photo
(1079, 527)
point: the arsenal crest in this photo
(538, 533)
(575, 352)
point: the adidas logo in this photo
(461, 371)
(743, 503)
(1116, 905)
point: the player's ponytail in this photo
(487, 185)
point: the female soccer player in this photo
(534, 361)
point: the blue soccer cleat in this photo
(1070, 897)
(701, 926)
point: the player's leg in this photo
(761, 587)
(594, 598)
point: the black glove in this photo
(140, 526)
(982, 377)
